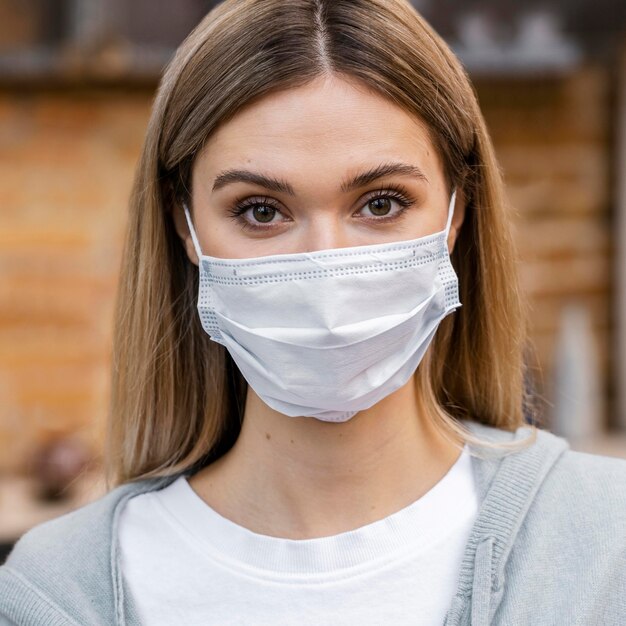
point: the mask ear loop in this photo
(450, 212)
(196, 243)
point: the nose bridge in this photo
(324, 231)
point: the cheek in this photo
(223, 238)
(420, 223)
(226, 239)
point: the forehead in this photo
(327, 124)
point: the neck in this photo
(299, 477)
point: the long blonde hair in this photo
(177, 397)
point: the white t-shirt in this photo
(186, 564)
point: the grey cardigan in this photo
(548, 547)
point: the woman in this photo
(336, 434)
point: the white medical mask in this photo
(329, 333)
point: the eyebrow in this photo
(281, 186)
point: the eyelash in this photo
(394, 192)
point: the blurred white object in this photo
(538, 43)
(541, 40)
(578, 406)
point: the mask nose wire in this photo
(450, 212)
(196, 243)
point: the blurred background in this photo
(77, 79)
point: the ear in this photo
(182, 228)
(457, 219)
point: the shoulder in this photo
(567, 487)
(580, 474)
(573, 534)
(553, 523)
(581, 470)
(579, 507)
(88, 524)
(64, 566)
(590, 488)
(557, 515)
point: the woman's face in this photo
(326, 165)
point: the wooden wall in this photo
(553, 139)
(66, 163)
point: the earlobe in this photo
(182, 229)
(457, 220)
(191, 253)
(452, 238)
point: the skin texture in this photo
(298, 477)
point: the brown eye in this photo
(380, 206)
(263, 213)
